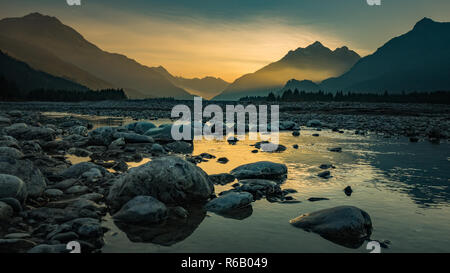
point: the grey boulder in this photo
(262, 169)
(344, 225)
(229, 201)
(169, 179)
(142, 209)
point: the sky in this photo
(229, 38)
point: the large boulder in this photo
(169, 179)
(163, 133)
(229, 201)
(27, 172)
(344, 225)
(21, 131)
(12, 186)
(142, 209)
(262, 169)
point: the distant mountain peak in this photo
(38, 16)
(316, 44)
(424, 23)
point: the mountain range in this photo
(48, 45)
(314, 62)
(27, 79)
(416, 61)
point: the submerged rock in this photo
(262, 169)
(169, 179)
(229, 201)
(344, 225)
(142, 209)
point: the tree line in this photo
(437, 97)
(10, 92)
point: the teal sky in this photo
(229, 38)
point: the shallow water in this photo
(403, 186)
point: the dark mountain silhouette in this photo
(305, 85)
(416, 61)
(206, 87)
(26, 78)
(315, 62)
(48, 45)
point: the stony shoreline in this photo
(46, 201)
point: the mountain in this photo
(206, 87)
(48, 45)
(416, 61)
(305, 85)
(315, 62)
(28, 79)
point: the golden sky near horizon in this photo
(230, 38)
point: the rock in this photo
(53, 193)
(17, 236)
(262, 169)
(92, 196)
(325, 174)
(315, 199)
(21, 131)
(66, 237)
(134, 138)
(287, 125)
(11, 152)
(8, 141)
(348, 191)
(142, 209)
(315, 135)
(27, 172)
(4, 121)
(31, 147)
(255, 151)
(346, 225)
(157, 149)
(232, 140)
(273, 148)
(222, 179)
(44, 248)
(77, 190)
(314, 123)
(223, 160)
(180, 147)
(102, 136)
(229, 201)
(296, 133)
(13, 203)
(169, 179)
(255, 186)
(15, 245)
(336, 150)
(161, 134)
(326, 166)
(414, 139)
(92, 175)
(6, 212)
(120, 166)
(295, 146)
(75, 171)
(12, 187)
(79, 130)
(178, 212)
(79, 152)
(65, 184)
(120, 142)
(86, 227)
(140, 127)
(15, 114)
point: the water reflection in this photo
(170, 232)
